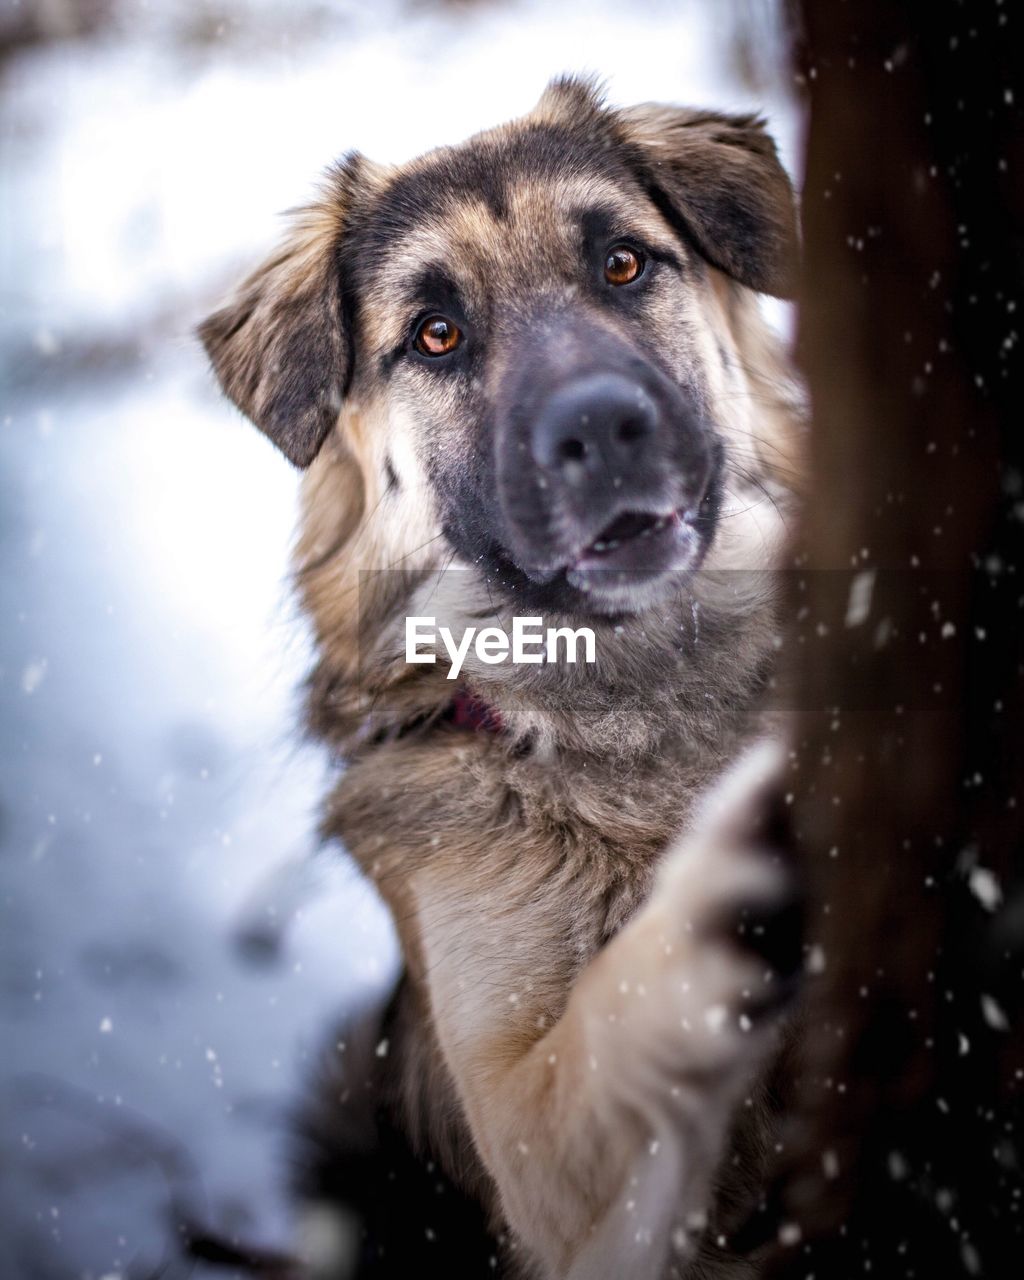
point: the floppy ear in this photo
(719, 180)
(280, 347)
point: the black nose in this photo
(594, 424)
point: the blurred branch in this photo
(27, 22)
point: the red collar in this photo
(467, 711)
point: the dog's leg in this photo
(603, 1132)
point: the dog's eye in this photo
(623, 265)
(436, 336)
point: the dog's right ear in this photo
(281, 347)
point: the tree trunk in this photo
(904, 1153)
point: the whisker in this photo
(341, 542)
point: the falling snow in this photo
(985, 887)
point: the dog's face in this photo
(522, 323)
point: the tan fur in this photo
(574, 1048)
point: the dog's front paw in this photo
(735, 895)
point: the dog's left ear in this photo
(281, 347)
(719, 180)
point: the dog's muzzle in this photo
(608, 479)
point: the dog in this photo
(529, 376)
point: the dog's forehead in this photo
(532, 219)
(496, 169)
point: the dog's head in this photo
(514, 338)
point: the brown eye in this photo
(623, 265)
(436, 336)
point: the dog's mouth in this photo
(634, 539)
(638, 543)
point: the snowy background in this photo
(173, 948)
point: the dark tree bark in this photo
(905, 1150)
